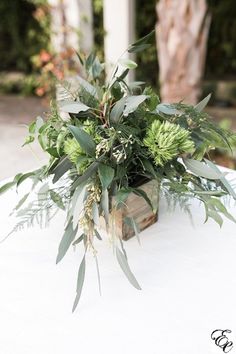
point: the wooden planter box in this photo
(136, 208)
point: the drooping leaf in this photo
(84, 139)
(78, 240)
(201, 169)
(25, 176)
(105, 205)
(21, 201)
(95, 213)
(132, 223)
(87, 174)
(6, 187)
(106, 175)
(66, 241)
(80, 283)
(97, 234)
(202, 104)
(79, 206)
(222, 178)
(126, 269)
(127, 63)
(132, 103)
(74, 107)
(63, 166)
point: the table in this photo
(187, 274)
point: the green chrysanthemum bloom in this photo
(73, 149)
(166, 140)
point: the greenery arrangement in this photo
(104, 140)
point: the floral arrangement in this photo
(104, 140)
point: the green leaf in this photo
(143, 195)
(87, 86)
(25, 176)
(201, 105)
(79, 206)
(132, 223)
(78, 240)
(6, 186)
(53, 152)
(87, 174)
(21, 201)
(63, 166)
(166, 109)
(97, 234)
(139, 48)
(122, 195)
(126, 269)
(57, 199)
(132, 103)
(201, 169)
(106, 175)
(74, 107)
(66, 241)
(141, 41)
(80, 283)
(117, 110)
(215, 216)
(222, 178)
(84, 139)
(95, 213)
(105, 205)
(127, 63)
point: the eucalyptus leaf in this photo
(63, 166)
(126, 269)
(201, 169)
(79, 207)
(87, 86)
(105, 205)
(97, 234)
(66, 241)
(6, 187)
(139, 48)
(106, 175)
(84, 139)
(202, 104)
(166, 109)
(117, 110)
(87, 174)
(222, 178)
(74, 107)
(95, 213)
(127, 63)
(132, 103)
(80, 283)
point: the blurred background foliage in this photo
(24, 36)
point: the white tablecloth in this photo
(188, 277)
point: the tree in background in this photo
(182, 33)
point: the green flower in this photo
(73, 150)
(166, 140)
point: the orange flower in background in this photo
(45, 56)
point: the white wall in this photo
(119, 25)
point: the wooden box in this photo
(137, 209)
